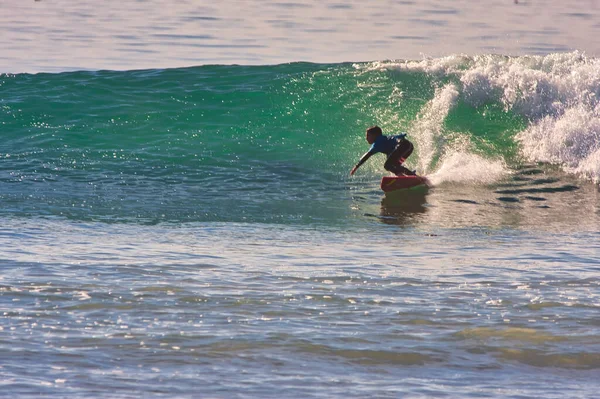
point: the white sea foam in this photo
(433, 66)
(428, 129)
(468, 168)
(571, 140)
(451, 160)
(558, 94)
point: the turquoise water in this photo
(194, 231)
(275, 143)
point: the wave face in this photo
(275, 143)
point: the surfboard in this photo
(393, 183)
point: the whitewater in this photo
(177, 217)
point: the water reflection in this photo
(529, 199)
(403, 206)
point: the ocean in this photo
(178, 219)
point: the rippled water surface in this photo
(193, 232)
(271, 311)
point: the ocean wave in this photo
(557, 95)
(193, 143)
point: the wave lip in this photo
(558, 95)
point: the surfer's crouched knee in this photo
(400, 170)
(396, 169)
(391, 167)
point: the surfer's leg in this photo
(397, 157)
(402, 170)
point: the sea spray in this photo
(557, 95)
(428, 127)
(466, 168)
(571, 141)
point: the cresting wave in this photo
(194, 143)
(558, 96)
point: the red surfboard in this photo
(393, 183)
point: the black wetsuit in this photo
(397, 148)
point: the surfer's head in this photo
(372, 133)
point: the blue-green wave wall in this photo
(222, 143)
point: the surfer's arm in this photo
(362, 160)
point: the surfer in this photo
(397, 148)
